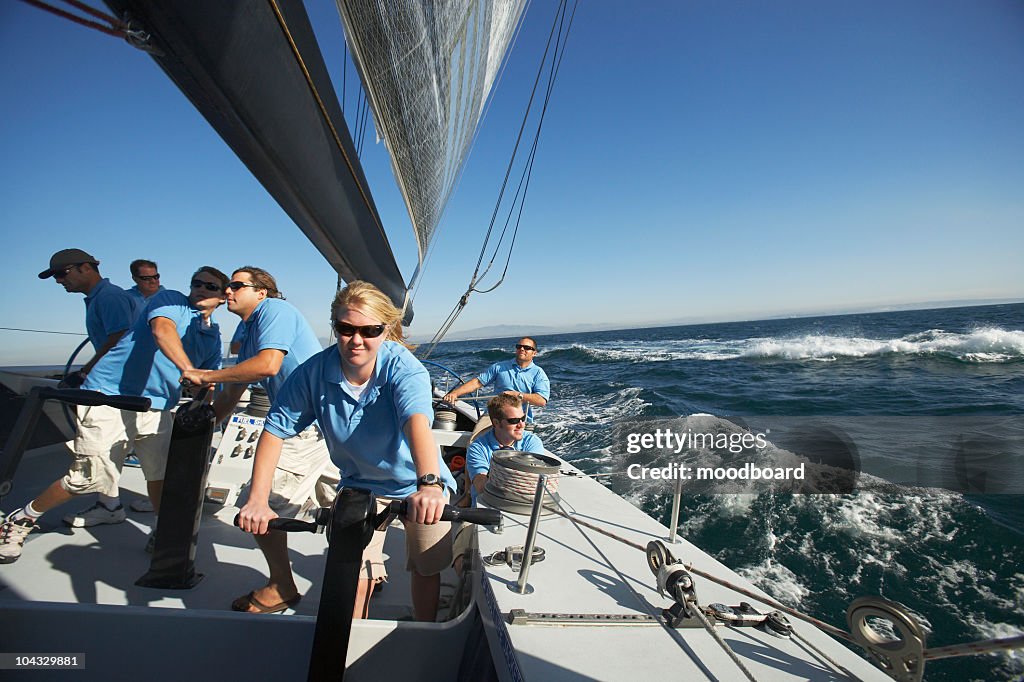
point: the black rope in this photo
(41, 331)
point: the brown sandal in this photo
(249, 600)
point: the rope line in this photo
(116, 27)
(559, 37)
(965, 649)
(41, 331)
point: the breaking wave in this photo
(987, 345)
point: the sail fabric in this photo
(428, 67)
(234, 60)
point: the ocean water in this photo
(918, 527)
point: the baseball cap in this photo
(64, 258)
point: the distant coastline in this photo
(508, 331)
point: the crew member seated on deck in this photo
(519, 377)
(372, 399)
(175, 334)
(508, 432)
(275, 340)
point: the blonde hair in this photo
(372, 302)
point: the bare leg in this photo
(281, 585)
(426, 592)
(155, 490)
(51, 497)
(363, 593)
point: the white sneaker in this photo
(141, 504)
(95, 515)
(12, 537)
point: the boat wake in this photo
(989, 345)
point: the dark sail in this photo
(234, 61)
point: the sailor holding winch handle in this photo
(277, 339)
(519, 377)
(174, 333)
(372, 399)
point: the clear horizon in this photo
(714, 162)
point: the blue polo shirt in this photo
(478, 457)
(140, 299)
(364, 436)
(239, 334)
(509, 376)
(278, 325)
(108, 310)
(137, 366)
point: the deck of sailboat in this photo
(100, 564)
(585, 572)
(65, 570)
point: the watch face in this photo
(429, 479)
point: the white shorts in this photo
(106, 436)
(305, 478)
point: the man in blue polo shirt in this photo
(508, 433)
(147, 280)
(109, 310)
(175, 335)
(276, 340)
(519, 377)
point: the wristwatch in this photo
(430, 479)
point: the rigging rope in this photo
(559, 34)
(115, 27)
(953, 650)
(41, 331)
(558, 509)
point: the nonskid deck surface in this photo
(100, 564)
(583, 572)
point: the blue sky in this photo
(701, 160)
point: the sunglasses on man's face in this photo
(521, 346)
(236, 285)
(367, 331)
(512, 421)
(209, 286)
(61, 274)
(148, 278)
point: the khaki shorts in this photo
(305, 478)
(106, 436)
(428, 549)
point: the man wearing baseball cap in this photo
(109, 310)
(109, 314)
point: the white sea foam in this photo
(776, 580)
(985, 345)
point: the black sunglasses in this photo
(367, 331)
(64, 273)
(209, 286)
(236, 285)
(148, 278)
(512, 421)
(520, 346)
